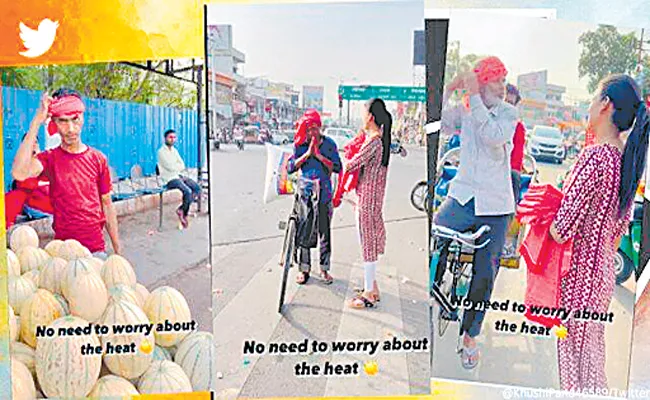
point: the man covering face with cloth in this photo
(481, 193)
(79, 176)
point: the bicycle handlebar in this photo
(468, 239)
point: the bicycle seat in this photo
(466, 237)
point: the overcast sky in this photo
(525, 45)
(322, 44)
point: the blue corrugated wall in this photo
(127, 133)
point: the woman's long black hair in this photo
(629, 109)
(383, 119)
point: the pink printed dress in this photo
(371, 189)
(589, 215)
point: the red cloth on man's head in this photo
(490, 69)
(310, 119)
(68, 106)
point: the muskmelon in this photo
(116, 270)
(61, 368)
(97, 263)
(164, 377)
(84, 290)
(142, 293)
(33, 275)
(40, 309)
(53, 247)
(23, 236)
(113, 386)
(13, 264)
(20, 288)
(127, 365)
(64, 304)
(25, 355)
(194, 355)
(168, 304)
(124, 292)
(14, 331)
(161, 353)
(71, 250)
(22, 382)
(52, 274)
(31, 258)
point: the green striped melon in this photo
(97, 263)
(64, 304)
(40, 309)
(164, 377)
(194, 355)
(113, 386)
(14, 331)
(168, 304)
(161, 354)
(25, 355)
(84, 290)
(127, 365)
(20, 288)
(33, 275)
(22, 382)
(71, 250)
(31, 258)
(13, 264)
(142, 293)
(53, 247)
(61, 369)
(116, 270)
(23, 236)
(52, 274)
(124, 292)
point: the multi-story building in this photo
(541, 102)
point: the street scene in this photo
(552, 96)
(106, 195)
(261, 93)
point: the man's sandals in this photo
(303, 277)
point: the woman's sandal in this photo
(467, 355)
(360, 291)
(302, 278)
(361, 302)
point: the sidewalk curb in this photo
(123, 208)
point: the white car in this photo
(341, 136)
(547, 143)
(279, 138)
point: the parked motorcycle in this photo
(397, 148)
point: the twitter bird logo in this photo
(38, 42)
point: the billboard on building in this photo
(312, 97)
(219, 39)
(533, 85)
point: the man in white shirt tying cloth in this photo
(481, 193)
(171, 167)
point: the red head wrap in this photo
(68, 106)
(310, 119)
(490, 69)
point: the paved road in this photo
(531, 361)
(246, 279)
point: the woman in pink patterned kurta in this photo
(372, 162)
(594, 213)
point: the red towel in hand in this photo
(547, 261)
(27, 192)
(349, 180)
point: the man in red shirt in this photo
(80, 181)
(518, 143)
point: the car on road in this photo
(251, 134)
(341, 136)
(546, 143)
(279, 138)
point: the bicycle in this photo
(449, 286)
(289, 254)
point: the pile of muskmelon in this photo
(62, 287)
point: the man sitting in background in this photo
(171, 168)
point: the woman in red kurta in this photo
(372, 162)
(594, 213)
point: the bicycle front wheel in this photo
(419, 196)
(289, 249)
